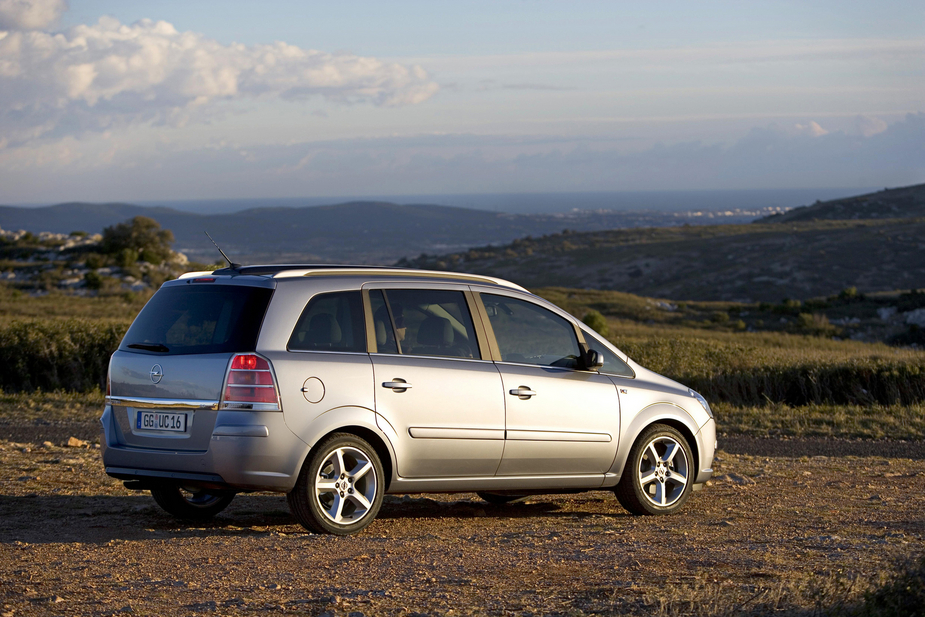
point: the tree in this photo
(141, 235)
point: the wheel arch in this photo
(370, 436)
(378, 443)
(659, 413)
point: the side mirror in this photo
(593, 360)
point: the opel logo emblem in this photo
(156, 373)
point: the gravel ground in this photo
(769, 532)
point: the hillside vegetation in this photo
(355, 232)
(904, 202)
(845, 363)
(763, 261)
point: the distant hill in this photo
(905, 202)
(356, 232)
(761, 261)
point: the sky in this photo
(107, 100)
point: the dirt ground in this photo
(772, 531)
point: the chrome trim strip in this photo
(453, 358)
(516, 435)
(160, 403)
(427, 432)
(328, 351)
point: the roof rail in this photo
(401, 272)
(281, 271)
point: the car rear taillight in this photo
(250, 384)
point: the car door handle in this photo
(398, 384)
(523, 392)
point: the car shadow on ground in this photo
(98, 519)
(416, 506)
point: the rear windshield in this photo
(194, 319)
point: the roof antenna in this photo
(231, 264)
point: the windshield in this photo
(188, 319)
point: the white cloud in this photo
(30, 14)
(867, 125)
(812, 129)
(94, 77)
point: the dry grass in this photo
(760, 383)
(120, 307)
(59, 406)
(897, 592)
(797, 594)
(854, 421)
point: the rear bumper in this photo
(248, 450)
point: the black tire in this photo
(654, 480)
(497, 499)
(339, 501)
(191, 504)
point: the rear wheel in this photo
(658, 476)
(191, 504)
(339, 490)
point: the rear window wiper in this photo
(150, 347)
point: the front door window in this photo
(529, 334)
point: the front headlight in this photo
(703, 402)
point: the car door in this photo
(560, 420)
(442, 401)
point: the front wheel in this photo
(191, 504)
(339, 490)
(658, 476)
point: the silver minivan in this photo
(336, 385)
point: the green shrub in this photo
(597, 322)
(94, 261)
(142, 235)
(93, 280)
(816, 324)
(127, 257)
(70, 355)
(848, 293)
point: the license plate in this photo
(160, 421)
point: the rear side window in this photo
(331, 322)
(198, 319)
(424, 322)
